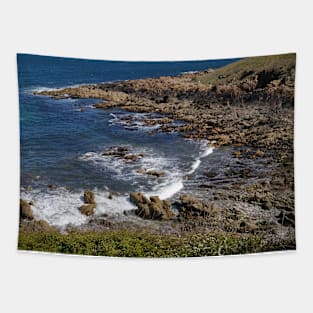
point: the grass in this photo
(247, 68)
(131, 244)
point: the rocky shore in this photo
(245, 108)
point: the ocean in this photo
(63, 147)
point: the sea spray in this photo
(166, 191)
(60, 207)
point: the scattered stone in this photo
(52, 187)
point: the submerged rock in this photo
(131, 157)
(140, 171)
(25, 210)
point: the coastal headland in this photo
(246, 108)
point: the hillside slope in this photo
(263, 70)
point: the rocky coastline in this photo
(246, 108)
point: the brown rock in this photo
(122, 149)
(138, 197)
(236, 154)
(155, 208)
(156, 173)
(89, 197)
(259, 153)
(25, 210)
(87, 209)
(195, 206)
(132, 157)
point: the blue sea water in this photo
(62, 146)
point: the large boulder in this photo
(89, 197)
(137, 198)
(155, 208)
(160, 209)
(87, 209)
(25, 210)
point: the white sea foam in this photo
(194, 166)
(206, 152)
(190, 72)
(60, 207)
(127, 171)
(113, 115)
(166, 191)
(31, 90)
(205, 149)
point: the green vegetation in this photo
(131, 244)
(234, 73)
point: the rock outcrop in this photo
(26, 211)
(89, 197)
(192, 207)
(90, 203)
(122, 152)
(87, 209)
(154, 208)
(36, 226)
